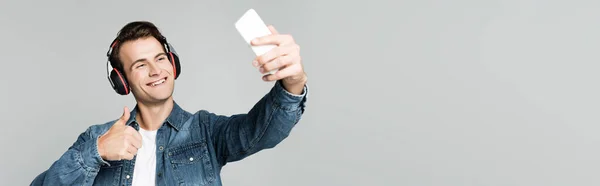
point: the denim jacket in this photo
(191, 148)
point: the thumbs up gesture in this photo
(120, 141)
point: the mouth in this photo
(157, 82)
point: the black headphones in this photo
(116, 77)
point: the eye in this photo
(140, 65)
(162, 58)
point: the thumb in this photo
(125, 115)
(272, 29)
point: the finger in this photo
(274, 53)
(132, 150)
(127, 156)
(134, 133)
(277, 63)
(125, 115)
(275, 39)
(131, 141)
(283, 73)
(137, 143)
(272, 29)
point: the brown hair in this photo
(132, 31)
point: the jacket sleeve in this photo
(79, 165)
(268, 123)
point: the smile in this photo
(158, 82)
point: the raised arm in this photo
(268, 123)
(272, 118)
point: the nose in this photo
(154, 70)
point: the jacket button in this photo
(127, 176)
(160, 148)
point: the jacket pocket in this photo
(109, 175)
(191, 164)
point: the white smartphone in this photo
(251, 26)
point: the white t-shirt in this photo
(144, 171)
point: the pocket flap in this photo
(188, 154)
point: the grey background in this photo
(420, 92)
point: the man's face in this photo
(148, 70)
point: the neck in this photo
(151, 116)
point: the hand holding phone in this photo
(278, 54)
(251, 26)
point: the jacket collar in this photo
(175, 119)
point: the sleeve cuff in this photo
(90, 155)
(288, 100)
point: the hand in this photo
(285, 58)
(120, 141)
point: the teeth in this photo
(158, 82)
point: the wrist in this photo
(90, 157)
(100, 147)
(295, 85)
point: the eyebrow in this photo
(143, 59)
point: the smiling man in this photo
(158, 142)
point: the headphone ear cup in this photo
(175, 62)
(119, 82)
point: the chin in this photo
(161, 96)
(156, 97)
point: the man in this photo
(159, 143)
